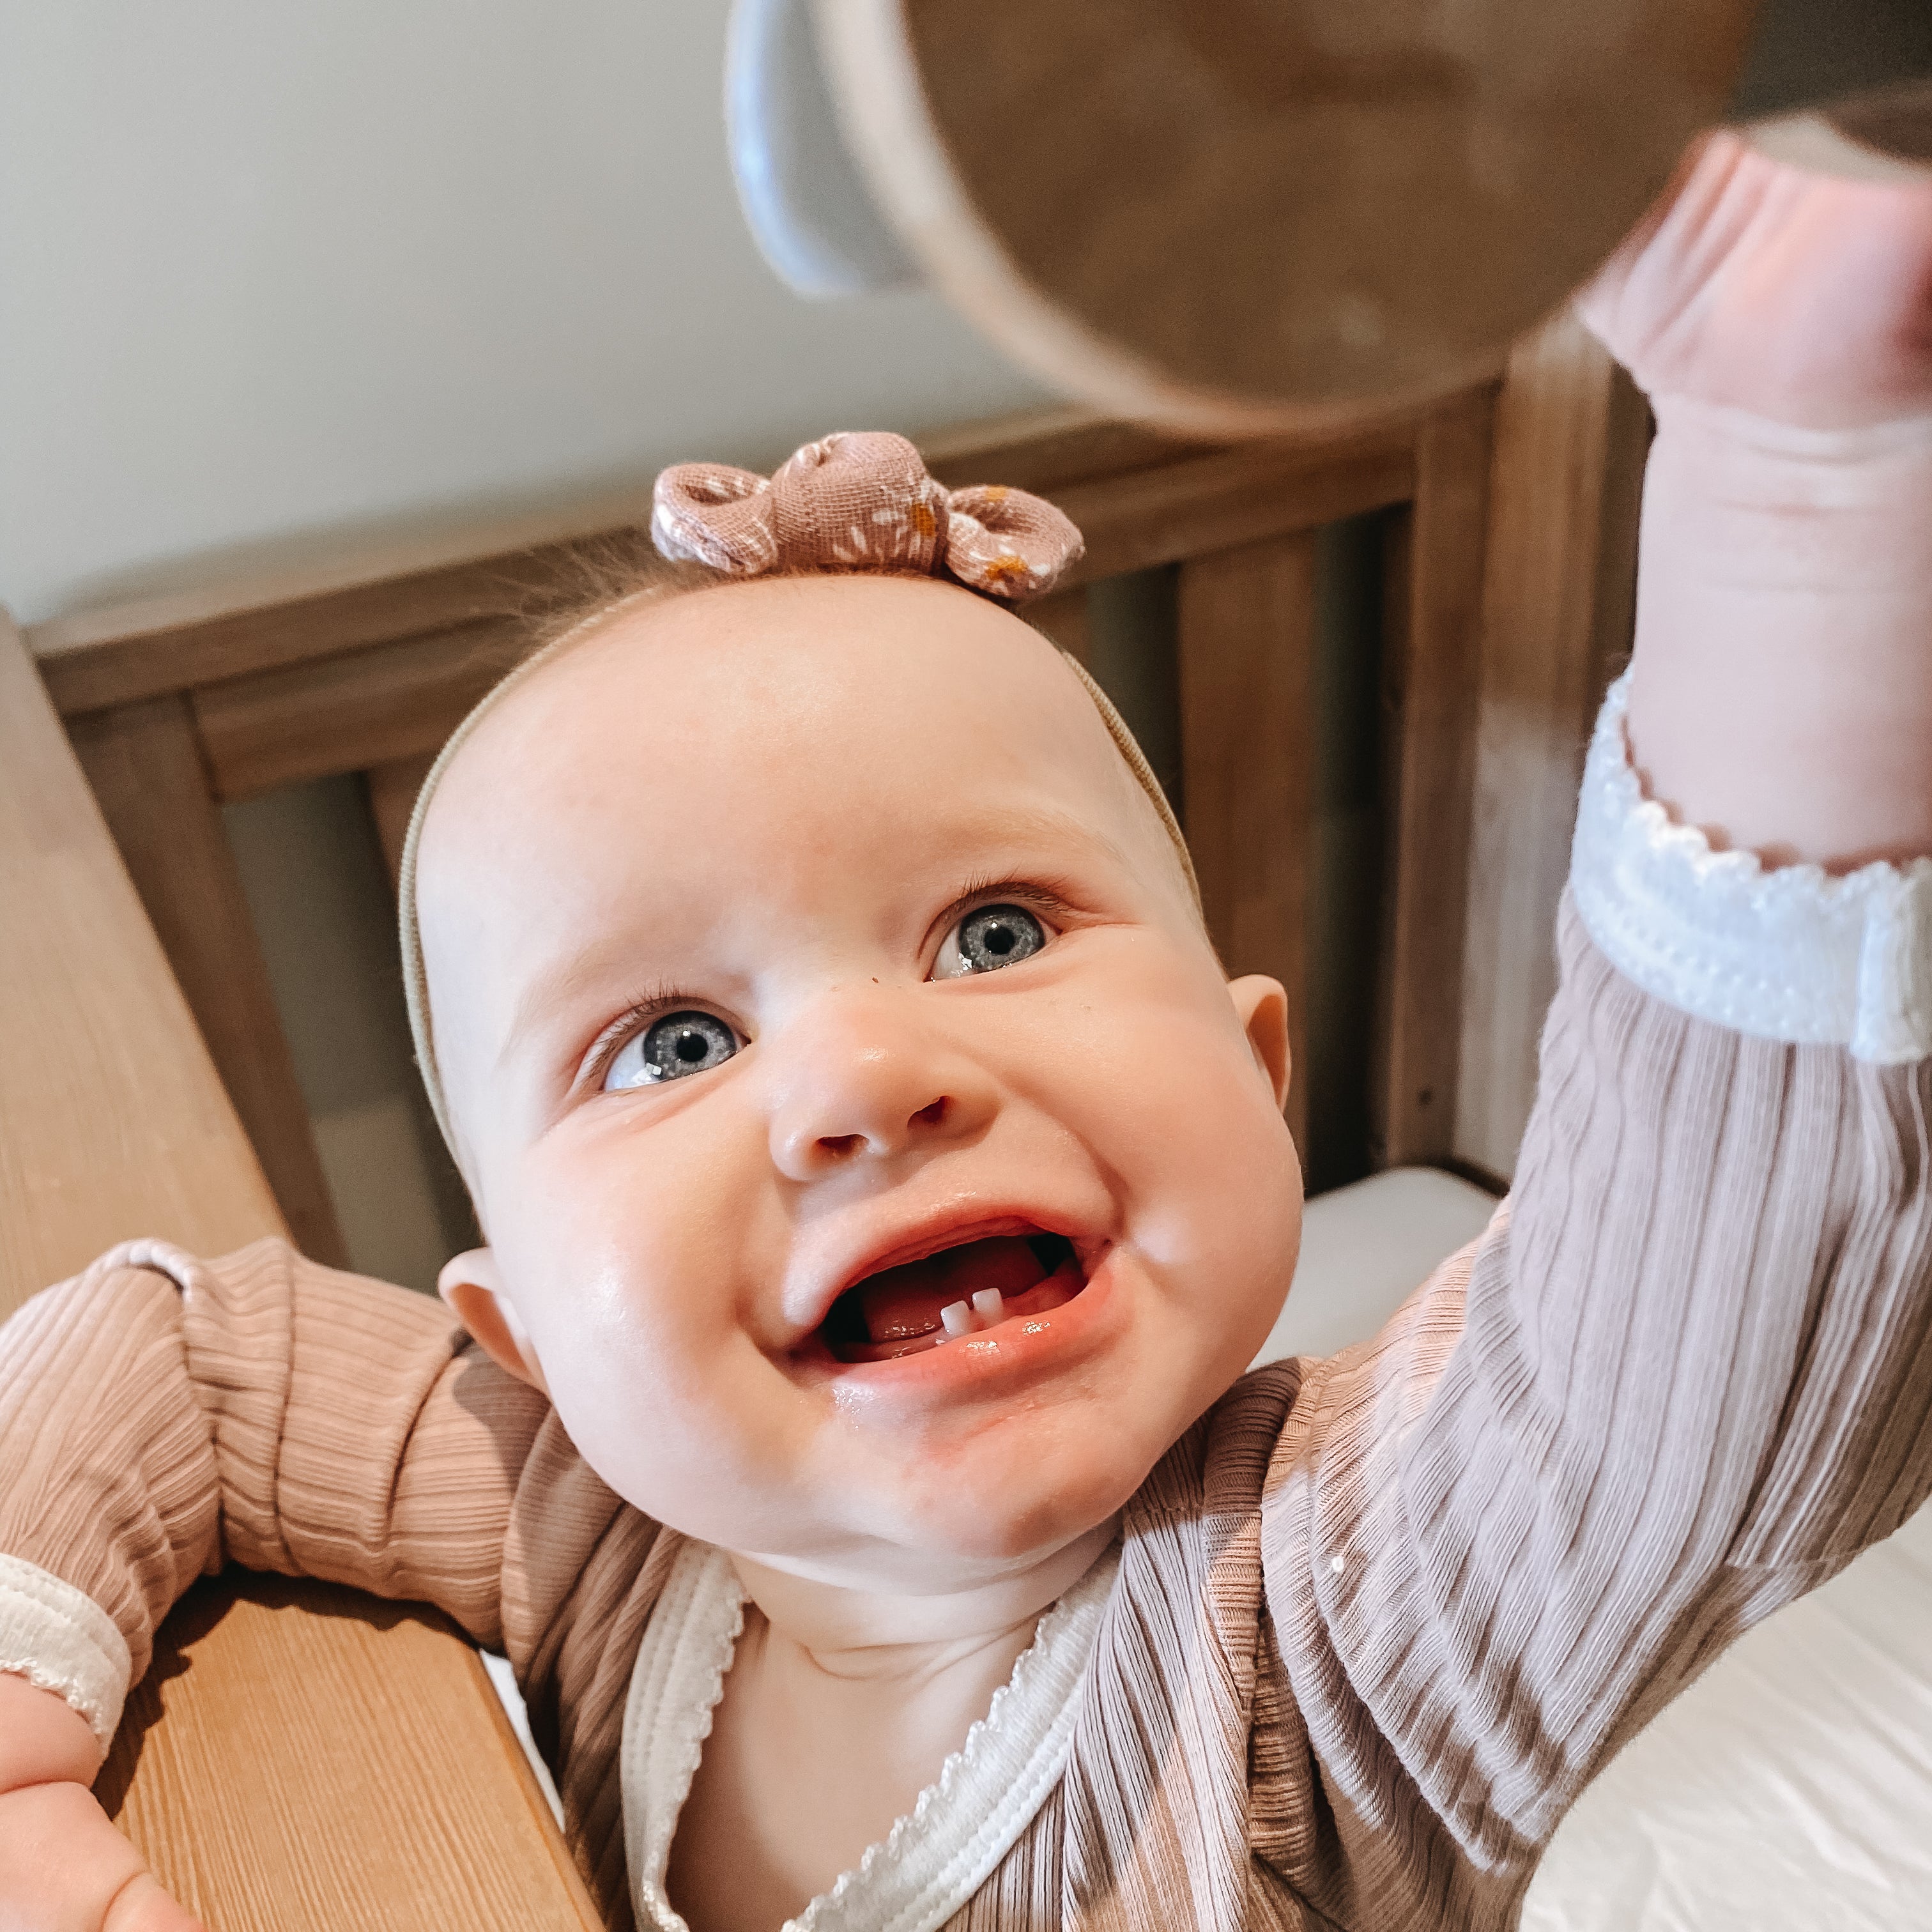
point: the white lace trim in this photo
(1786, 952)
(61, 1639)
(962, 1824)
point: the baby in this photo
(885, 1190)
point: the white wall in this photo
(268, 267)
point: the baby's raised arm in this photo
(1688, 1375)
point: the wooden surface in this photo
(262, 653)
(1558, 604)
(345, 713)
(1431, 656)
(1246, 646)
(302, 1755)
(1238, 218)
(144, 764)
(311, 1758)
(113, 1121)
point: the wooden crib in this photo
(300, 1755)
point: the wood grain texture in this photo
(300, 1755)
(348, 713)
(1234, 496)
(247, 646)
(392, 789)
(365, 595)
(144, 766)
(113, 1121)
(1558, 608)
(361, 594)
(1431, 656)
(1247, 620)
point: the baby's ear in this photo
(474, 1290)
(1262, 1004)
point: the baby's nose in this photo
(864, 1082)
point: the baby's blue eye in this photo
(988, 938)
(671, 1048)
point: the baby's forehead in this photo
(755, 702)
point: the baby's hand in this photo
(1801, 298)
(1781, 692)
(63, 1866)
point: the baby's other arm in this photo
(160, 1416)
(1687, 1374)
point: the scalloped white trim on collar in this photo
(1787, 952)
(943, 1850)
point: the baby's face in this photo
(804, 964)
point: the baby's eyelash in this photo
(610, 1042)
(1029, 892)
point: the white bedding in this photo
(1790, 1789)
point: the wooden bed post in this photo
(1246, 621)
(1431, 650)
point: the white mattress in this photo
(1790, 1789)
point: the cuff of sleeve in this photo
(1786, 952)
(61, 1639)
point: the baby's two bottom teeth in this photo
(988, 1306)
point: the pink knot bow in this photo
(861, 500)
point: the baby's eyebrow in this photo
(1003, 840)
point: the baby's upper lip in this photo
(912, 1241)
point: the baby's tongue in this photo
(899, 1303)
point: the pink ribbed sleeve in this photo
(161, 1415)
(1687, 1376)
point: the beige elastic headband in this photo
(848, 503)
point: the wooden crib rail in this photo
(295, 1756)
(177, 706)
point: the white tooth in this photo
(958, 1318)
(990, 1305)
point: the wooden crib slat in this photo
(1234, 496)
(1431, 661)
(1558, 608)
(1247, 620)
(113, 1122)
(145, 769)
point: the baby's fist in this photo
(1755, 285)
(63, 1866)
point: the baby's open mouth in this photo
(958, 1292)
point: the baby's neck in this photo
(860, 1630)
(841, 1705)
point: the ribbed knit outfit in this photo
(1370, 1625)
